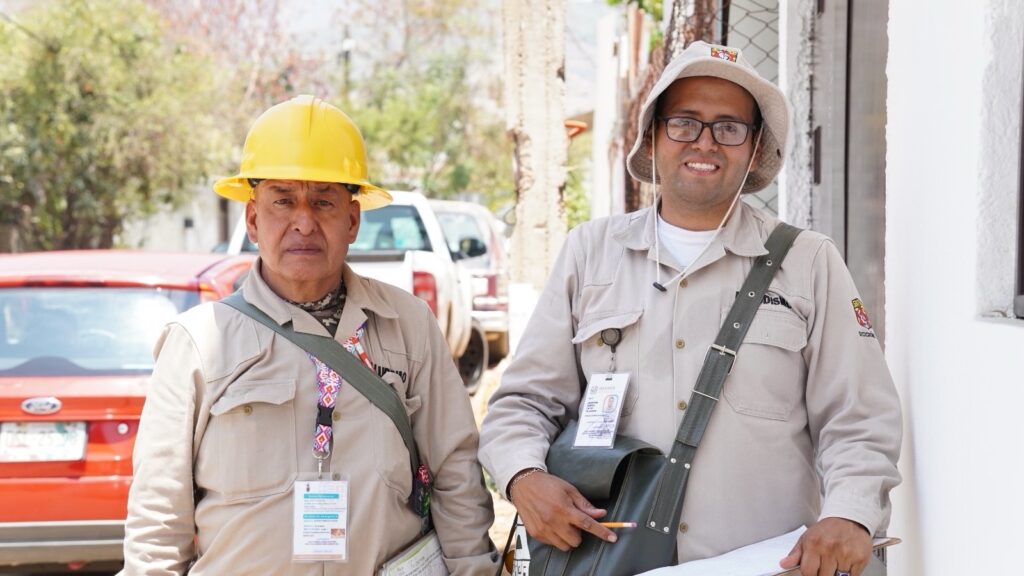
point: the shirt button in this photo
(683, 527)
(336, 476)
(336, 416)
(680, 343)
(683, 283)
(247, 409)
(682, 404)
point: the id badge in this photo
(320, 521)
(600, 410)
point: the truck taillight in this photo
(495, 298)
(425, 287)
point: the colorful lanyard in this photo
(329, 384)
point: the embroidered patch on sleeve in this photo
(862, 318)
(723, 53)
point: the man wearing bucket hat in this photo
(253, 455)
(807, 431)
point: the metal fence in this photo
(753, 27)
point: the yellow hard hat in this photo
(304, 138)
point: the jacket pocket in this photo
(392, 456)
(251, 440)
(768, 378)
(596, 355)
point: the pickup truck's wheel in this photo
(473, 361)
(497, 350)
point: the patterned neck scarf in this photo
(326, 310)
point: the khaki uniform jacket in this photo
(231, 408)
(809, 425)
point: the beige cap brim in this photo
(237, 188)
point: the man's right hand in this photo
(555, 513)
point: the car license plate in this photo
(42, 441)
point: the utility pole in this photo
(534, 32)
(347, 45)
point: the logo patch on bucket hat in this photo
(723, 53)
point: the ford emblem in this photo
(41, 406)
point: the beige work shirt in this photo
(231, 409)
(809, 425)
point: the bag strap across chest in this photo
(718, 363)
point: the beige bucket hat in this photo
(703, 59)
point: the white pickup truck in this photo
(403, 244)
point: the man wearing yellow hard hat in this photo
(268, 444)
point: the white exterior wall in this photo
(166, 230)
(954, 91)
(606, 112)
(796, 19)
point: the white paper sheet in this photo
(760, 559)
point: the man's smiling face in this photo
(700, 178)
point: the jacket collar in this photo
(358, 300)
(742, 235)
(362, 298)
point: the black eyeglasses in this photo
(724, 132)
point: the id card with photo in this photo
(320, 526)
(600, 410)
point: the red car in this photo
(76, 336)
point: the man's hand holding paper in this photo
(833, 545)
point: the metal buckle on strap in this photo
(722, 350)
(709, 397)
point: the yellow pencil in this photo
(619, 524)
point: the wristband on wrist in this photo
(519, 476)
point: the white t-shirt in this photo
(684, 245)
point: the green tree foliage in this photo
(419, 77)
(260, 61)
(653, 8)
(424, 129)
(113, 109)
(101, 120)
(428, 100)
(577, 196)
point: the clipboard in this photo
(877, 544)
(422, 558)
